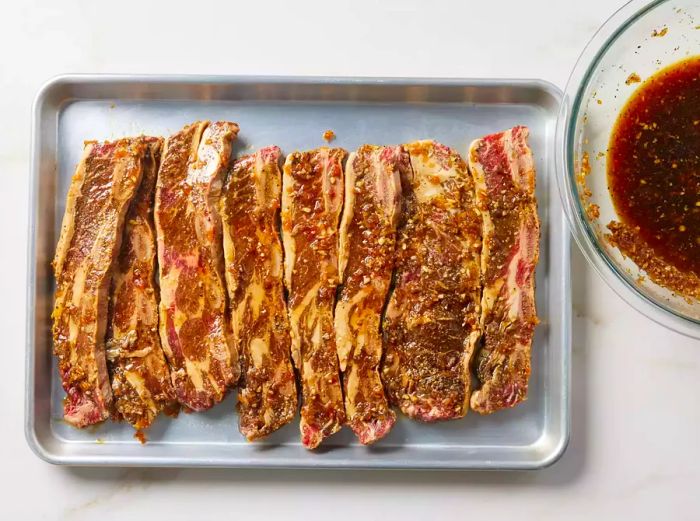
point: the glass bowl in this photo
(641, 38)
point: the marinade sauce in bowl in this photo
(653, 170)
(628, 158)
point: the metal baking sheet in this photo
(293, 113)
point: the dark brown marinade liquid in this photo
(654, 164)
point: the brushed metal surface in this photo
(293, 113)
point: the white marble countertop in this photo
(634, 450)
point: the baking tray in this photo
(293, 113)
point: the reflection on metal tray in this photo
(294, 113)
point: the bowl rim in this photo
(619, 281)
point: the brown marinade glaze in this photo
(101, 190)
(250, 208)
(140, 376)
(654, 173)
(431, 324)
(367, 245)
(194, 326)
(504, 174)
(312, 198)
(425, 225)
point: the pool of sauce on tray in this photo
(654, 164)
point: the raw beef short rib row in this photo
(367, 243)
(101, 190)
(431, 324)
(140, 375)
(312, 198)
(250, 208)
(406, 268)
(194, 326)
(504, 173)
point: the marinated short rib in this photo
(140, 376)
(432, 319)
(504, 174)
(194, 329)
(250, 208)
(367, 241)
(312, 198)
(102, 187)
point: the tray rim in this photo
(554, 453)
(250, 79)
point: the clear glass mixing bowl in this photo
(642, 38)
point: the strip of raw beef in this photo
(312, 198)
(432, 320)
(504, 174)
(250, 209)
(101, 190)
(141, 383)
(367, 242)
(194, 329)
